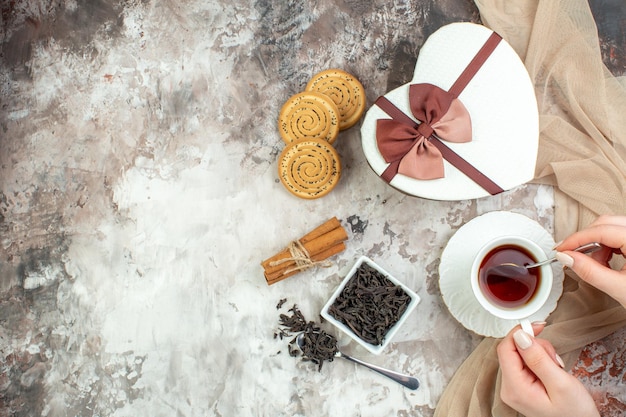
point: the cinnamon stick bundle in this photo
(310, 250)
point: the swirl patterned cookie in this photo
(308, 115)
(309, 168)
(346, 92)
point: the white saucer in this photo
(456, 262)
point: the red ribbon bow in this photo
(406, 145)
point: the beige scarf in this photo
(582, 153)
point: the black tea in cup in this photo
(508, 290)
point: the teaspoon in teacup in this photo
(408, 381)
(514, 270)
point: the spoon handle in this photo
(586, 249)
(408, 381)
(589, 248)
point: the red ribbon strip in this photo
(407, 144)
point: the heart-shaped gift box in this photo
(465, 127)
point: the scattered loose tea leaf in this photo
(370, 304)
(281, 303)
(319, 346)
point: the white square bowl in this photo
(375, 349)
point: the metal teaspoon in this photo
(408, 381)
(513, 270)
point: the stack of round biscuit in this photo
(309, 122)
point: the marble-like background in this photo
(138, 194)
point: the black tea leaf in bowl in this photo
(370, 305)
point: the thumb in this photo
(588, 269)
(537, 359)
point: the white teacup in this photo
(502, 297)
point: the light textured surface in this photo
(139, 193)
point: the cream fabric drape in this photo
(582, 153)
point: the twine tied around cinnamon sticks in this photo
(302, 258)
(310, 250)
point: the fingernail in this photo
(559, 360)
(557, 244)
(565, 259)
(538, 323)
(522, 339)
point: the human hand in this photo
(610, 231)
(534, 383)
